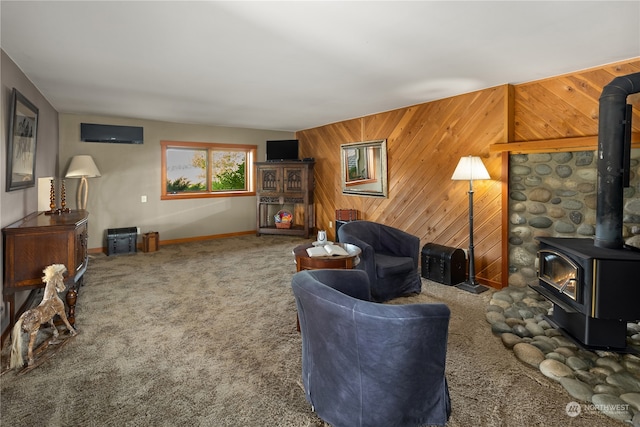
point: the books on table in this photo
(326, 250)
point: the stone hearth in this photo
(555, 195)
(598, 380)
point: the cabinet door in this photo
(269, 179)
(294, 179)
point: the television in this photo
(286, 149)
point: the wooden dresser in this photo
(37, 241)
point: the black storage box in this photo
(443, 264)
(122, 240)
(338, 225)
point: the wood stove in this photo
(594, 285)
(595, 291)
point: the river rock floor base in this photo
(609, 381)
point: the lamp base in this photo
(474, 288)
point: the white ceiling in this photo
(297, 65)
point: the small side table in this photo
(345, 262)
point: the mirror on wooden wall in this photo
(364, 168)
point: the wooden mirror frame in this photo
(364, 168)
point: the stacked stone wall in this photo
(555, 195)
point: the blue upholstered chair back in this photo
(389, 257)
(370, 364)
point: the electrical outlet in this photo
(143, 199)
(138, 228)
(330, 224)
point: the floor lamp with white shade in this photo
(82, 167)
(471, 168)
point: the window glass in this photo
(186, 170)
(228, 170)
(196, 169)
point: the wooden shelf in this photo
(581, 143)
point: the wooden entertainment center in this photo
(37, 241)
(284, 183)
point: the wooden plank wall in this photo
(567, 105)
(426, 141)
(424, 144)
(564, 107)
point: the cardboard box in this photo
(150, 241)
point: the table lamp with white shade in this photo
(468, 169)
(82, 167)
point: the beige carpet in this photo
(204, 334)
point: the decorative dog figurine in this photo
(31, 320)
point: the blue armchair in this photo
(389, 256)
(370, 364)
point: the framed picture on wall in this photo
(21, 146)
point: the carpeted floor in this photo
(205, 334)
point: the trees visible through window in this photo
(192, 169)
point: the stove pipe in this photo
(611, 154)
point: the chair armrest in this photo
(424, 327)
(367, 256)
